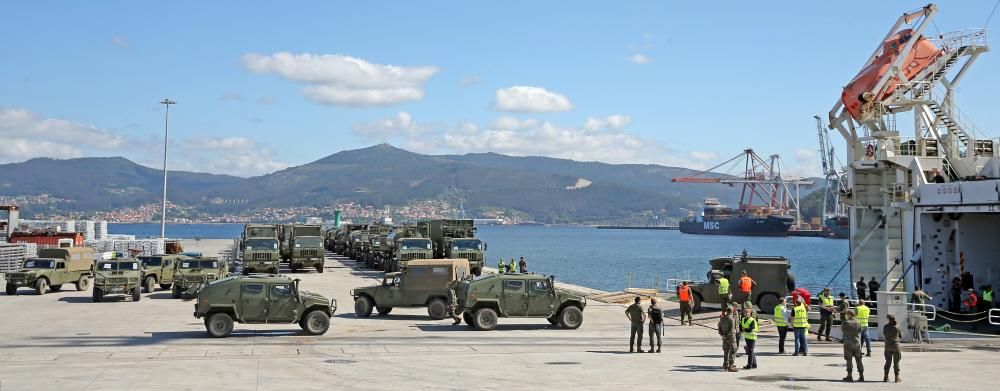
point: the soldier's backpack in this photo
(655, 315)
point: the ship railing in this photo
(994, 316)
(953, 40)
(927, 310)
(909, 90)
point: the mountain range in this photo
(545, 189)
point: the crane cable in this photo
(991, 15)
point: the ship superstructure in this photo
(922, 184)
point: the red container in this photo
(46, 239)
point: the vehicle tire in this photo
(317, 322)
(790, 282)
(477, 271)
(437, 309)
(175, 292)
(571, 317)
(319, 268)
(383, 310)
(467, 316)
(696, 303)
(150, 284)
(165, 286)
(363, 306)
(767, 302)
(11, 290)
(55, 288)
(83, 283)
(219, 325)
(135, 294)
(485, 319)
(98, 295)
(41, 286)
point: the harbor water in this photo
(604, 258)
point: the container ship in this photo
(718, 219)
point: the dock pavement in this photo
(63, 341)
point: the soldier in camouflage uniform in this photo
(892, 334)
(728, 331)
(851, 330)
(453, 304)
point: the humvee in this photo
(424, 283)
(194, 272)
(517, 295)
(261, 298)
(117, 276)
(158, 269)
(772, 275)
(52, 268)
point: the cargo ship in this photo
(718, 219)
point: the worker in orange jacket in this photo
(746, 286)
(687, 301)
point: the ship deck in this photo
(63, 341)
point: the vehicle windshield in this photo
(119, 265)
(39, 264)
(151, 261)
(308, 242)
(261, 244)
(415, 244)
(467, 244)
(203, 264)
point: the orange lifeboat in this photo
(923, 54)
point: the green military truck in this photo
(258, 299)
(772, 275)
(159, 270)
(193, 272)
(117, 276)
(52, 268)
(259, 248)
(407, 243)
(518, 295)
(377, 250)
(304, 248)
(424, 283)
(457, 239)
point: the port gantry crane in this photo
(893, 204)
(763, 184)
(833, 175)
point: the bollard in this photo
(628, 280)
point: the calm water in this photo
(601, 258)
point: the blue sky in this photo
(688, 83)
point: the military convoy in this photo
(259, 248)
(261, 299)
(195, 272)
(52, 268)
(302, 246)
(517, 295)
(772, 275)
(424, 283)
(117, 276)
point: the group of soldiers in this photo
(512, 267)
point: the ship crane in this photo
(764, 187)
(833, 175)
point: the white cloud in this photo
(27, 134)
(639, 58)
(120, 41)
(806, 163)
(530, 99)
(400, 125)
(341, 80)
(700, 155)
(612, 122)
(238, 156)
(469, 80)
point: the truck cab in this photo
(158, 270)
(261, 252)
(117, 276)
(52, 268)
(193, 272)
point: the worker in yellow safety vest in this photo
(825, 314)
(800, 324)
(781, 320)
(864, 314)
(723, 290)
(748, 325)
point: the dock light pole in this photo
(166, 138)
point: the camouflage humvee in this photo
(424, 283)
(193, 272)
(158, 269)
(771, 273)
(517, 295)
(117, 276)
(261, 298)
(52, 268)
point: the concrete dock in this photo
(64, 341)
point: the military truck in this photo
(357, 239)
(407, 243)
(193, 272)
(52, 268)
(517, 295)
(378, 249)
(424, 283)
(302, 247)
(772, 275)
(259, 298)
(259, 247)
(117, 276)
(457, 239)
(159, 269)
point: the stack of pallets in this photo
(147, 246)
(11, 255)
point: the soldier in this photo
(637, 317)
(852, 346)
(727, 330)
(522, 265)
(685, 297)
(501, 267)
(843, 306)
(655, 324)
(453, 303)
(892, 334)
(873, 286)
(723, 289)
(860, 286)
(512, 267)
(825, 314)
(748, 325)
